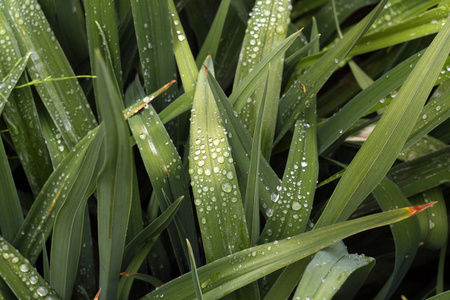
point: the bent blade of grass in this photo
(114, 183)
(378, 153)
(70, 112)
(20, 275)
(294, 101)
(68, 228)
(198, 288)
(229, 273)
(11, 215)
(165, 169)
(10, 80)
(406, 235)
(329, 271)
(177, 107)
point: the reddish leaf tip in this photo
(98, 294)
(167, 171)
(127, 274)
(417, 209)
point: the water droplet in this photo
(142, 136)
(296, 205)
(424, 117)
(203, 221)
(280, 29)
(230, 175)
(181, 37)
(33, 279)
(24, 268)
(61, 148)
(304, 164)
(42, 291)
(226, 187)
(274, 197)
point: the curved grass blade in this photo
(378, 153)
(406, 235)
(20, 275)
(114, 183)
(229, 273)
(11, 215)
(70, 112)
(177, 107)
(329, 270)
(294, 101)
(11, 79)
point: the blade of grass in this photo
(198, 288)
(317, 75)
(114, 183)
(380, 150)
(33, 34)
(11, 215)
(20, 275)
(224, 276)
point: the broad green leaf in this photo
(20, 275)
(406, 235)
(64, 99)
(229, 273)
(379, 152)
(68, 228)
(294, 101)
(329, 270)
(266, 29)
(213, 178)
(441, 296)
(114, 183)
(11, 215)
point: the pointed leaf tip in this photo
(98, 294)
(417, 209)
(206, 69)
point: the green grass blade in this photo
(213, 177)
(141, 245)
(380, 150)
(211, 43)
(363, 101)
(441, 296)
(152, 23)
(33, 34)
(114, 183)
(10, 80)
(406, 235)
(224, 276)
(316, 76)
(433, 224)
(329, 270)
(165, 169)
(241, 145)
(290, 213)
(68, 228)
(198, 288)
(251, 201)
(11, 215)
(177, 107)
(103, 13)
(183, 55)
(20, 275)
(422, 173)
